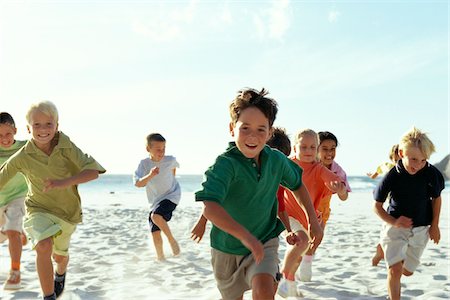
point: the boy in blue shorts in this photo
(414, 187)
(239, 197)
(157, 174)
(53, 167)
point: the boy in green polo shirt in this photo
(53, 167)
(239, 196)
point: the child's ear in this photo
(28, 129)
(400, 153)
(148, 148)
(231, 126)
(270, 134)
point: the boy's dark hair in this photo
(155, 137)
(252, 98)
(326, 135)
(6, 118)
(280, 140)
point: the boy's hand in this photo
(403, 222)
(51, 184)
(255, 246)
(435, 233)
(316, 233)
(198, 231)
(293, 239)
(335, 186)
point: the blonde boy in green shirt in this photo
(53, 167)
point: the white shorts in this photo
(404, 244)
(11, 217)
(296, 226)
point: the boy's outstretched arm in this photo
(220, 218)
(302, 196)
(435, 232)
(82, 177)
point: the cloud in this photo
(333, 16)
(165, 25)
(278, 22)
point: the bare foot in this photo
(175, 248)
(379, 255)
(161, 258)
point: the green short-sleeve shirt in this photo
(66, 160)
(16, 187)
(248, 193)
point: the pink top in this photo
(336, 169)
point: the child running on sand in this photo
(281, 142)
(327, 152)
(53, 167)
(386, 166)
(12, 202)
(414, 188)
(239, 197)
(320, 183)
(383, 169)
(157, 174)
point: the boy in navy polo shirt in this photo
(239, 196)
(414, 187)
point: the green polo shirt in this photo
(248, 193)
(16, 187)
(66, 160)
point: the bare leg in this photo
(263, 287)
(44, 265)
(158, 242)
(162, 224)
(379, 255)
(15, 245)
(61, 263)
(293, 257)
(394, 286)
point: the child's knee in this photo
(396, 270)
(12, 234)
(45, 246)
(60, 258)
(263, 286)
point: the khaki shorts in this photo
(234, 273)
(11, 217)
(403, 244)
(40, 226)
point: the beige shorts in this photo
(234, 273)
(404, 244)
(11, 217)
(40, 226)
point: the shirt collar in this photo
(63, 142)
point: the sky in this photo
(118, 70)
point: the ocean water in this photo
(119, 190)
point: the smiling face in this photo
(251, 132)
(7, 133)
(43, 129)
(156, 150)
(306, 148)
(327, 152)
(413, 159)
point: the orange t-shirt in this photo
(314, 177)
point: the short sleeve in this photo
(436, 182)
(139, 173)
(216, 181)
(383, 188)
(292, 175)
(84, 161)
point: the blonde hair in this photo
(301, 133)
(394, 152)
(416, 138)
(45, 107)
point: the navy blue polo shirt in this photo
(411, 195)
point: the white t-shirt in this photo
(162, 186)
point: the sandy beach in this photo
(112, 258)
